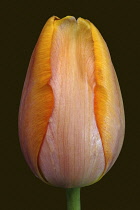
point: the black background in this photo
(22, 21)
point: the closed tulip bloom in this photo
(71, 117)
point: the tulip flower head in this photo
(71, 117)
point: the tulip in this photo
(71, 117)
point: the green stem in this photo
(73, 199)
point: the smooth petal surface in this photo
(72, 153)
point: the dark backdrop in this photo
(22, 21)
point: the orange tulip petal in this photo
(37, 99)
(108, 102)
